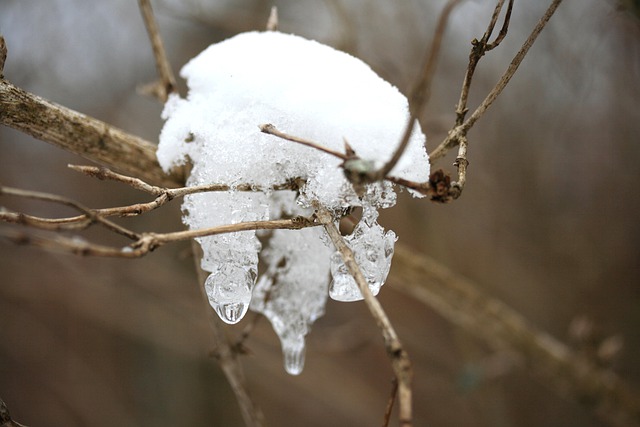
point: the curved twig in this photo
(399, 358)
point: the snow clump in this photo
(311, 91)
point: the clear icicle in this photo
(293, 291)
(373, 250)
(229, 291)
(294, 353)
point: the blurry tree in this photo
(547, 223)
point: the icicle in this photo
(229, 291)
(294, 353)
(293, 291)
(373, 250)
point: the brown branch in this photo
(88, 214)
(148, 242)
(270, 129)
(399, 358)
(478, 49)
(3, 55)
(503, 31)
(171, 193)
(422, 90)
(272, 22)
(460, 130)
(5, 417)
(392, 399)
(50, 224)
(461, 302)
(81, 134)
(356, 177)
(167, 83)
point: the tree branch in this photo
(272, 22)
(462, 303)
(399, 358)
(166, 85)
(88, 214)
(148, 242)
(421, 92)
(479, 48)
(460, 130)
(3, 55)
(81, 134)
(5, 417)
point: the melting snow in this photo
(308, 90)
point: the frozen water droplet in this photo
(293, 291)
(229, 292)
(231, 313)
(294, 357)
(373, 250)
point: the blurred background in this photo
(548, 222)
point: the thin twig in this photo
(503, 31)
(148, 242)
(422, 90)
(392, 399)
(103, 173)
(5, 417)
(167, 83)
(3, 55)
(478, 49)
(272, 22)
(453, 138)
(87, 213)
(272, 130)
(171, 193)
(399, 358)
(76, 223)
(422, 188)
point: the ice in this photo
(373, 250)
(293, 291)
(229, 291)
(305, 89)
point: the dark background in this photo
(548, 222)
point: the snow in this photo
(311, 91)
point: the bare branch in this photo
(147, 242)
(422, 90)
(272, 22)
(461, 302)
(171, 193)
(478, 49)
(103, 173)
(58, 224)
(5, 417)
(357, 178)
(87, 213)
(3, 55)
(392, 399)
(399, 357)
(81, 134)
(167, 83)
(453, 138)
(272, 130)
(503, 31)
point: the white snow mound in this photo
(311, 91)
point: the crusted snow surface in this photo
(311, 91)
